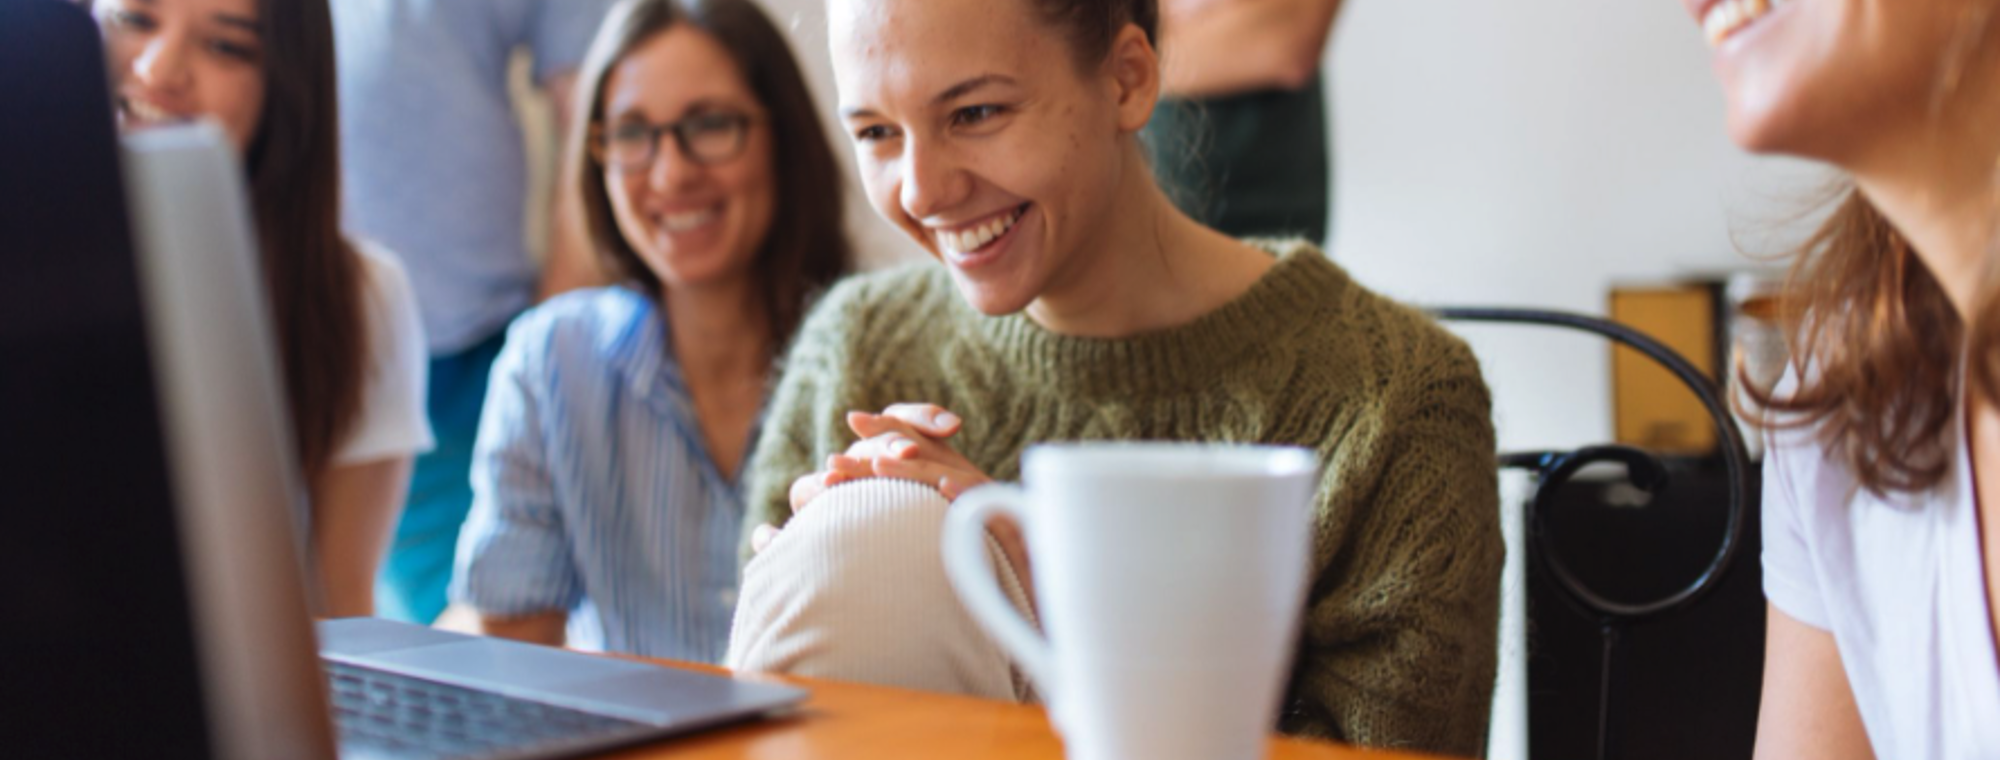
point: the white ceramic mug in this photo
(1169, 578)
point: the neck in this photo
(719, 330)
(1151, 268)
(1940, 188)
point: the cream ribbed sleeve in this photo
(854, 589)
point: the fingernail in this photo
(945, 419)
(901, 446)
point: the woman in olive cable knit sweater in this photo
(1075, 303)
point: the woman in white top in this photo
(1882, 486)
(351, 346)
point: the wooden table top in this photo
(849, 720)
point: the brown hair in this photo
(1092, 25)
(312, 274)
(806, 248)
(1877, 343)
(1875, 340)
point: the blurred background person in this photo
(605, 480)
(348, 334)
(437, 172)
(1240, 138)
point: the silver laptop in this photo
(393, 690)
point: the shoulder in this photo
(915, 287)
(391, 419)
(594, 320)
(918, 293)
(1800, 470)
(1390, 344)
(389, 308)
(383, 278)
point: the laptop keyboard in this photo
(386, 715)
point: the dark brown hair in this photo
(312, 273)
(1092, 25)
(806, 248)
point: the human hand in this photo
(904, 441)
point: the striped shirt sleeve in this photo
(514, 551)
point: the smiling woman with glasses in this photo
(606, 509)
(706, 138)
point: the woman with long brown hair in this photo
(605, 508)
(349, 339)
(1882, 485)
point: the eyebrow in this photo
(240, 22)
(696, 108)
(951, 93)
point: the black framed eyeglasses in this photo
(704, 138)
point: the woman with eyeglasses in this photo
(349, 339)
(605, 502)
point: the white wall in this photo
(1533, 154)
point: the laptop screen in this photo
(99, 654)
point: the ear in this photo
(1134, 72)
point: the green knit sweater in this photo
(1399, 636)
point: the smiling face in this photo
(691, 222)
(980, 136)
(176, 60)
(1834, 79)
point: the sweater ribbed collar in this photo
(1302, 282)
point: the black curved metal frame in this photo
(1552, 469)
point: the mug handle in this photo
(970, 569)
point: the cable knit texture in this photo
(1399, 638)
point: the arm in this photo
(544, 628)
(1222, 47)
(570, 265)
(1808, 708)
(1399, 642)
(514, 564)
(356, 510)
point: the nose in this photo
(932, 181)
(163, 63)
(671, 167)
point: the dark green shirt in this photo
(1251, 165)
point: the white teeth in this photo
(977, 237)
(147, 112)
(1728, 17)
(689, 220)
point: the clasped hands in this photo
(906, 442)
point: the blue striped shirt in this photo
(592, 490)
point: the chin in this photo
(1754, 135)
(1791, 132)
(991, 299)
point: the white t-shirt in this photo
(1899, 584)
(392, 421)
